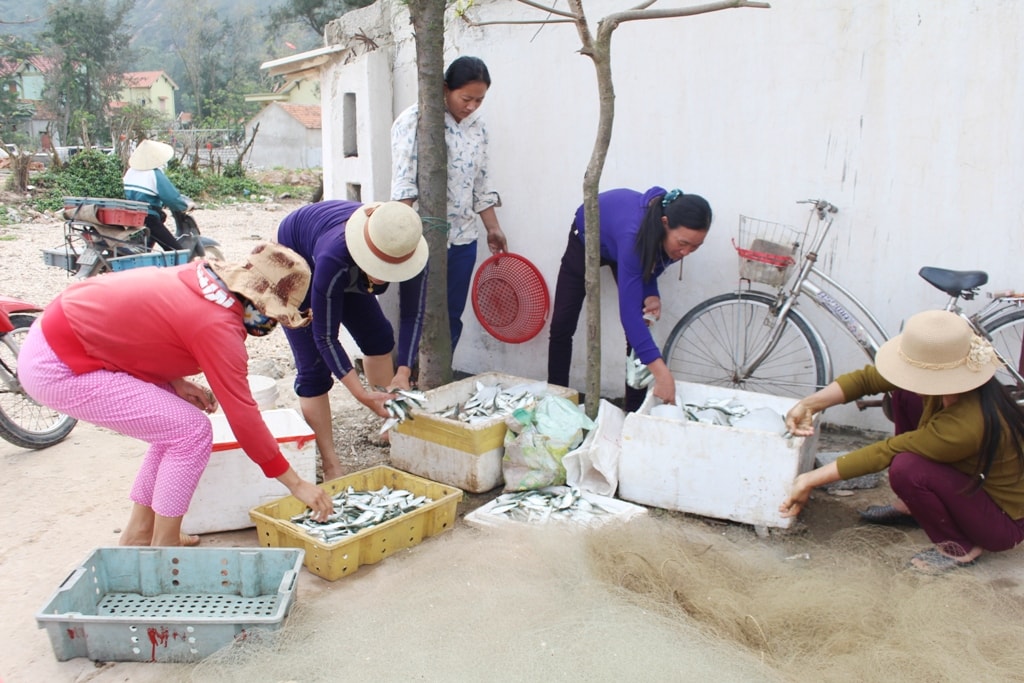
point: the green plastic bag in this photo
(537, 441)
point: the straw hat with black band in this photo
(386, 241)
(273, 277)
(937, 354)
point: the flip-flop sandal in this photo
(886, 515)
(934, 562)
(189, 541)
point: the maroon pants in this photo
(937, 495)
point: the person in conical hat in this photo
(956, 463)
(354, 251)
(145, 181)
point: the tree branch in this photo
(551, 10)
(616, 18)
(524, 21)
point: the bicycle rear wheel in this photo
(1007, 332)
(24, 422)
(717, 338)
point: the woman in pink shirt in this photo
(116, 351)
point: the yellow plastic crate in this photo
(454, 452)
(333, 561)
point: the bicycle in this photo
(759, 341)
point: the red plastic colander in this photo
(510, 298)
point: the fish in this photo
(489, 403)
(562, 503)
(400, 408)
(354, 511)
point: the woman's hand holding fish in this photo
(318, 500)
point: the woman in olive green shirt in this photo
(959, 473)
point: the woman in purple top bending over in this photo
(642, 233)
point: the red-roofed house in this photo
(151, 89)
(27, 79)
(289, 136)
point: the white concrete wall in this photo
(283, 142)
(904, 113)
(369, 79)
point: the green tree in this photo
(314, 13)
(89, 42)
(221, 59)
(13, 51)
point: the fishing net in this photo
(670, 601)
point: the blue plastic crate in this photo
(129, 604)
(153, 258)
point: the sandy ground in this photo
(64, 501)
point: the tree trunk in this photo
(432, 180)
(599, 51)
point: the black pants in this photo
(570, 292)
(159, 233)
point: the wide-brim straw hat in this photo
(274, 278)
(150, 154)
(937, 354)
(386, 241)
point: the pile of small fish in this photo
(358, 510)
(638, 375)
(560, 503)
(400, 407)
(489, 402)
(723, 411)
(731, 413)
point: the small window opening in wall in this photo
(350, 147)
(354, 192)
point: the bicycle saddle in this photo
(954, 282)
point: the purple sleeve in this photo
(631, 302)
(327, 299)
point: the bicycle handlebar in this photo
(822, 206)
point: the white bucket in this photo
(264, 391)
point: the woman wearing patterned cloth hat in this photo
(354, 250)
(958, 469)
(642, 233)
(144, 181)
(103, 353)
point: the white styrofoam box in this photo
(467, 456)
(618, 511)
(712, 470)
(232, 484)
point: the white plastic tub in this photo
(717, 471)
(233, 484)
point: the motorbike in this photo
(23, 422)
(103, 235)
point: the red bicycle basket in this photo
(510, 298)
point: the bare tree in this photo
(598, 48)
(436, 344)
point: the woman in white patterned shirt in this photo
(469, 191)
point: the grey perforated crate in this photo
(168, 604)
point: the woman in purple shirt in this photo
(353, 250)
(642, 233)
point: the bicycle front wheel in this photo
(1007, 333)
(715, 342)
